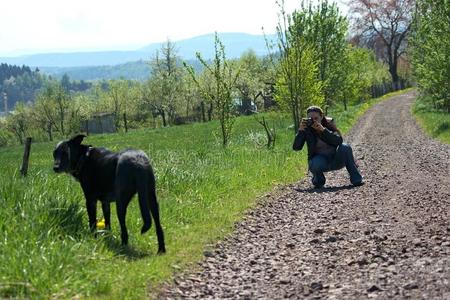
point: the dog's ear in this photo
(76, 140)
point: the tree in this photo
(114, 98)
(254, 73)
(221, 93)
(297, 85)
(324, 28)
(387, 22)
(167, 81)
(430, 49)
(65, 83)
(18, 122)
(361, 72)
(44, 114)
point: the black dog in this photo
(108, 177)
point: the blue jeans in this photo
(319, 164)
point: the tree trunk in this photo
(202, 106)
(49, 132)
(210, 111)
(163, 116)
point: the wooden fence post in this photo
(26, 157)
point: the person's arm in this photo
(332, 137)
(299, 140)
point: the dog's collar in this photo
(81, 162)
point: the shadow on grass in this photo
(327, 189)
(128, 252)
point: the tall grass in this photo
(46, 250)
(435, 123)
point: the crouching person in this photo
(326, 151)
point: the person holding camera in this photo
(326, 150)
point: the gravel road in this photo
(389, 238)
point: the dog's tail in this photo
(149, 203)
(144, 201)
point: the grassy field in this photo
(435, 123)
(46, 250)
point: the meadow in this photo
(435, 123)
(46, 250)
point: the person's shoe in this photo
(358, 183)
(318, 181)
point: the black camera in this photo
(309, 121)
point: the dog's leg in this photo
(155, 213)
(122, 204)
(91, 206)
(106, 214)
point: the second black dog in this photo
(108, 177)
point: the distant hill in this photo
(235, 45)
(136, 70)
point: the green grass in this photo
(435, 123)
(46, 250)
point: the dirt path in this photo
(389, 238)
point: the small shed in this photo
(100, 123)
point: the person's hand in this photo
(303, 125)
(318, 127)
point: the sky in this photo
(30, 26)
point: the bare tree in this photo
(385, 22)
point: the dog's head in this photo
(67, 153)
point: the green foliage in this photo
(325, 29)
(384, 26)
(166, 83)
(56, 110)
(435, 122)
(17, 122)
(430, 48)
(361, 72)
(220, 92)
(254, 74)
(19, 84)
(297, 86)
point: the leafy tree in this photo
(191, 99)
(166, 82)
(430, 49)
(361, 72)
(251, 81)
(18, 122)
(19, 84)
(114, 98)
(55, 110)
(325, 29)
(385, 22)
(65, 83)
(297, 86)
(221, 92)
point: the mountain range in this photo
(235, 44)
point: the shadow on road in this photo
(327, 189)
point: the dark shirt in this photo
(329, 136)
